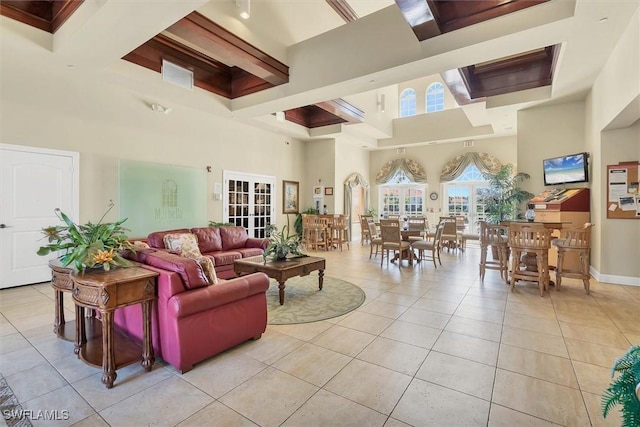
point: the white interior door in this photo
(33, 182)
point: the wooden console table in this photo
(61, 282)
(106, 291)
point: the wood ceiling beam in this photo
(204, 36)
(42, 14)
(420, 17)
(343, 9)
(343, 110)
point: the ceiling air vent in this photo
(400, 150)
(468, 144)
(177, 75)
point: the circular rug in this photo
(304, 303)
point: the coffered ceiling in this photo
(325, 63)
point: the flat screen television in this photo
(566, 169)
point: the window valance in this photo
(412, 169)
(486, 163)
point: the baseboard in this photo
(616, 280)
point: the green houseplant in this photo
(281, 243)
(88, 245)
(503, 196)
(625, 389)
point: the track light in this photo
(245, 8)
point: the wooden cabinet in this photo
(571, 207)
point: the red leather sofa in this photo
(224, 244)
(193, 320)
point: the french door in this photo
(249, 201)
(402, 200)
(462, 198)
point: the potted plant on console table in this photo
(88, 245)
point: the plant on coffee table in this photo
(281, 243)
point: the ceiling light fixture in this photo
(245, 8)
(160, 108)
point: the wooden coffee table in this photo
(282, 270)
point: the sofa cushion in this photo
(189, 270)
(186, 244)
(225, 257)
(209, 239)
(249, 252)
(233, 237)
(155, 239)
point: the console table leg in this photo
(81, 334)
(58, 319)
(281, 292)
(108, 354)
(320, 278)
(147, 345)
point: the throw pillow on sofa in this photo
(186, 244)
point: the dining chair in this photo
(574, 242)
(376, 239)
(534, 239)
(495, 237)
(339, 232)
(392, 242)
(365, 234)
(449, 232)
(417, 224)
(432, 245)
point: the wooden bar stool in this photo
(494, 236)
(534, 239)
(574, 242)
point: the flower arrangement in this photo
(281, 243)
(88, 245)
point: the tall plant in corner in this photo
(625, 389)
(503, 196)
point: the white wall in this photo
(545, 132)
(616, 89)
(104, 123)
(349, 159)
(319, 165)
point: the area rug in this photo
(304, 303)
(12, 411)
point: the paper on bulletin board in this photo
(617, 183)
(627, 202)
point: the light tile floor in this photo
(428, 347)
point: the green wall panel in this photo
(156, 197)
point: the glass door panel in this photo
(249, 201)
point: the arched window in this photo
(435, 97)
(408, 103)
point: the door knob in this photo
(3, 226)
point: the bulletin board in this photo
(623, 194)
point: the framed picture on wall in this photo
(290, 196)
(317, 191)
(328, 191)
